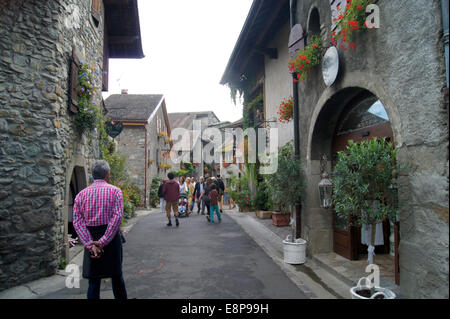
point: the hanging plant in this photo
(88, 112)
(306, 59)
(286, 110)
(348, 22)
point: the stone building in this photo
(195, 123)
(144, 118)
(44, 162)
(392, 84)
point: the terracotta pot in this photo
(280, 219)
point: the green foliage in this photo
(353, 20)
(363, 174)
(287, 185)
(154, 198)
(306, 59)
(249, 110)
(88, 112)
(239, 191)
(262, 199)
(186, 169)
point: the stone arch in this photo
(313, 23)
(330, 105)
(76, 175)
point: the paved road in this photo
(197, 260)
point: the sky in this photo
(187, 45)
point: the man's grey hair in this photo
(100, 169)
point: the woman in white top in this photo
(183, 187)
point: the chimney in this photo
(124, 91)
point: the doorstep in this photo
(350, 271)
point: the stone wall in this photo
(403, 64)
(38, 142)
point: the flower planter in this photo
(263, 214)
(244, 209)
(294, 252)
(363, 292)
(279, 219)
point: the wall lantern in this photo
(325, 185)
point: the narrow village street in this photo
(197, 260)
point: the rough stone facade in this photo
(403, 64)
(39, 146)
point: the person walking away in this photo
(162, 202)
(221, 190)
(97, 216)
(213, 199)
(198, 190)
(171, 192)
(205, 195)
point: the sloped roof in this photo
(132, 107)
(185, 119)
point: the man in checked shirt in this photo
(97, 216)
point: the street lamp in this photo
(325, 185)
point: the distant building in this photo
(191, 144)
(145, 136)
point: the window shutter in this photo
(96, 7)
(105, 75)
(74, 68)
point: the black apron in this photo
(110, 263)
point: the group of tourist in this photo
(207, 194)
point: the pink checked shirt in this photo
(98, 204)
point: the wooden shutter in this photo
(105, 74)
(296, 40)
(96, 9)
(74, 67)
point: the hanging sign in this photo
(113, 128)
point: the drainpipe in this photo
(298, 206)
(145, 167)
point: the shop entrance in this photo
(364, 118)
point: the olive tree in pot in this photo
(262, 202)
(287, 187)
(363, 189)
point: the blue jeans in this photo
(211, 212)
(118, 286)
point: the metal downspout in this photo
(298, 206)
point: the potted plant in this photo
(287, 187)
(262, 202)
(363, 190)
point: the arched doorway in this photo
(77, 183)
(363, 118)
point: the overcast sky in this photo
(187, 45)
